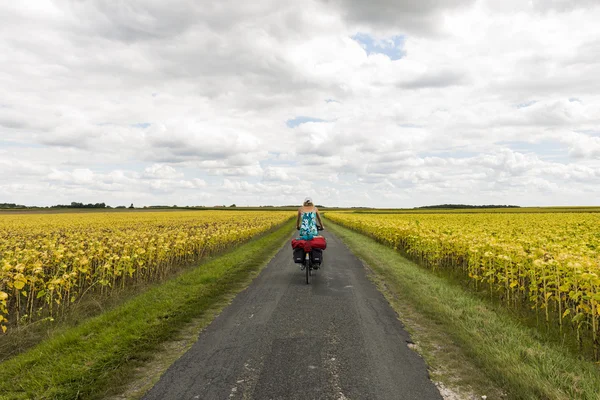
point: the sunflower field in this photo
(48, 262)
(547, 262)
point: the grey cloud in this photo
(422, 17)
(18, 119)
(435, 79)
(562, 5)
(208, 46)
(187, 141)
(76, 134)
(134, 20)
(61, 140)
(12, 123)
(223, 44)
(543, 84)
(587, 53)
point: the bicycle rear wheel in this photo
(307, 268)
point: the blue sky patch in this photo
(393, 46)
(526, 104)
(294, 122)
(142, 125)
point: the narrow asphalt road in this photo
(336, 338)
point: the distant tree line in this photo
(11, 205)
(463, 206)
(81, 205)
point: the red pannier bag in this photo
(318, 242)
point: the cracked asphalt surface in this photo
(336, 338)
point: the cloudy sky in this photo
(385, 103)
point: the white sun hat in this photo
(308, 199)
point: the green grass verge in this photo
(98, 356)
(499, 345)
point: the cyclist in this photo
(308, 215)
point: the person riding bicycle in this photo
(308, 215)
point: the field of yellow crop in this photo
(549, 262)
(50, 261)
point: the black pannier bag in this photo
(299, 256)
(316, 256)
